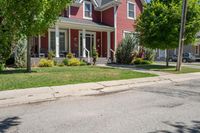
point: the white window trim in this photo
(90, 18)
(134, 4)
(53, 30)
(124, 33)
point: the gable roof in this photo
(101, 4)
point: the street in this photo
(161, 108)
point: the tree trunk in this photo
(29, 40)
(167, 58)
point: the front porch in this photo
(69, 36)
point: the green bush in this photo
(20, 53)
(149, 54)
(139, 61)
(55, 62)
(70, 56)
(61, 64)
(74, 62)
(46, 63)
(127, 50)
(83, 63)
(65, 62)
(2, 67)
(94, 55)
(51, 55)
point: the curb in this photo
(42, 94)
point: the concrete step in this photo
(100, 60)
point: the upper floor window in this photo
(131, 10)
(87, 13)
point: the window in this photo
(87, 13)
(52, 41)
(62, 41)
(131, 10)
(197, 50)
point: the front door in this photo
(90, 39)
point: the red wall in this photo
(108, 17)
(77, 12)
(123, 23)
(74, 41)
(104, 44)
(44, 42)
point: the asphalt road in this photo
(162, 108)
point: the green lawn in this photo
(19, 79)
(170, 69)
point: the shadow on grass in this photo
(8, 123)
(15, 71)
(144, 66)
(155, 67)
(181, 127)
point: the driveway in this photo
(161, 108)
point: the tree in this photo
(30, 18)
(159, 24)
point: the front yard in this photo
(55, 76)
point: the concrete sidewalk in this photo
(33, 95)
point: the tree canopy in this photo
(159, 24)
(25, 18)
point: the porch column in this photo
(108, 44)
(57, 41)
(39, 45)
(84, 43)
(69, 41)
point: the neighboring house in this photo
(87, 24)
(194, 49)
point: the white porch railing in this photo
(88, 54)
(113, 52)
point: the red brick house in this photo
(87, 24)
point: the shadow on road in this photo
(181, 127)
(8, 123)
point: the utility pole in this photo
(182, 35)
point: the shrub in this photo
(46, 63)
(70, 56)
(55, 62)
(20, 53)
(61, 64)
(2, 67)
(83, 63)
(74, 62)
(51, 55)
(94, 55)
(65, 62)
(127, 50)
(139, 61)
(149, 54)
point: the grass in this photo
(170, 69)
(19, 79)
